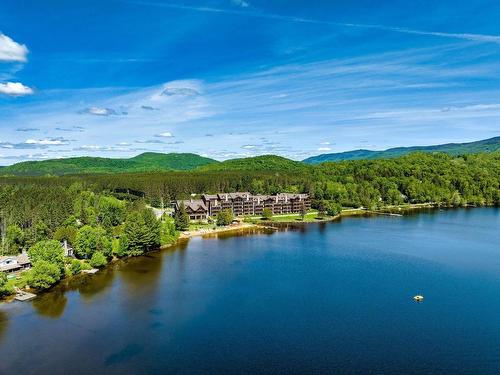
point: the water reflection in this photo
(89, 286)
(4, 323)
(51, 304)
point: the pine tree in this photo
(181, 218)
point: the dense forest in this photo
(105, 216)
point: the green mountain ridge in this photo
(146, 162)
(158, 162)
(486, 145)
(257, 163)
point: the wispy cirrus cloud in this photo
(483, 38)
(401, 98)
(71, 129)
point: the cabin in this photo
(67, 249)
(15, 263)
(195, 208)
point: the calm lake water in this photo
(322, 298)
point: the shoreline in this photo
(268, 224)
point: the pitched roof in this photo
(193, 205)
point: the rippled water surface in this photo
(322, 298)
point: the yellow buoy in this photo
(418, 298)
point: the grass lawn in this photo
(20, 281)
(197, 225)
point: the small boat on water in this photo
(418, 298)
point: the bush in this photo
(333, 208)
(75, 267)
(43, 275)
(267, 214)
(5, 290)
(168, 233)
(224, 217)
(98, 260)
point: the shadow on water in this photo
(50, 304)
(90, 286)
(4, 324)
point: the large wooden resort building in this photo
(244, 204)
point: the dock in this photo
(384, 213)
(24, 296)
(92, 271)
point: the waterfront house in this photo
(245, 204)
(15, 263)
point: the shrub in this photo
(5, 290)
(267, 213)
(75, 267)
(98, 260)
(224, 217)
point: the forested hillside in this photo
(147, 162)
(103, 216)
(257, 163)
(487, 145)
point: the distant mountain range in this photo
(151, 161)
(487, 145)
(146, 162)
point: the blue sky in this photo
(235, 78)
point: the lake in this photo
(311, 299)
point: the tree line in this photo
(103, 216)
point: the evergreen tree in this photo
(142, 231)
(181, 218)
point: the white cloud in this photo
(47, 142)
(98, 111)
(11, 50)
(325, 143)
(324, 149)
(165, 135)
(15, 89)
(240, 3)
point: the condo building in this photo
(244, 204)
